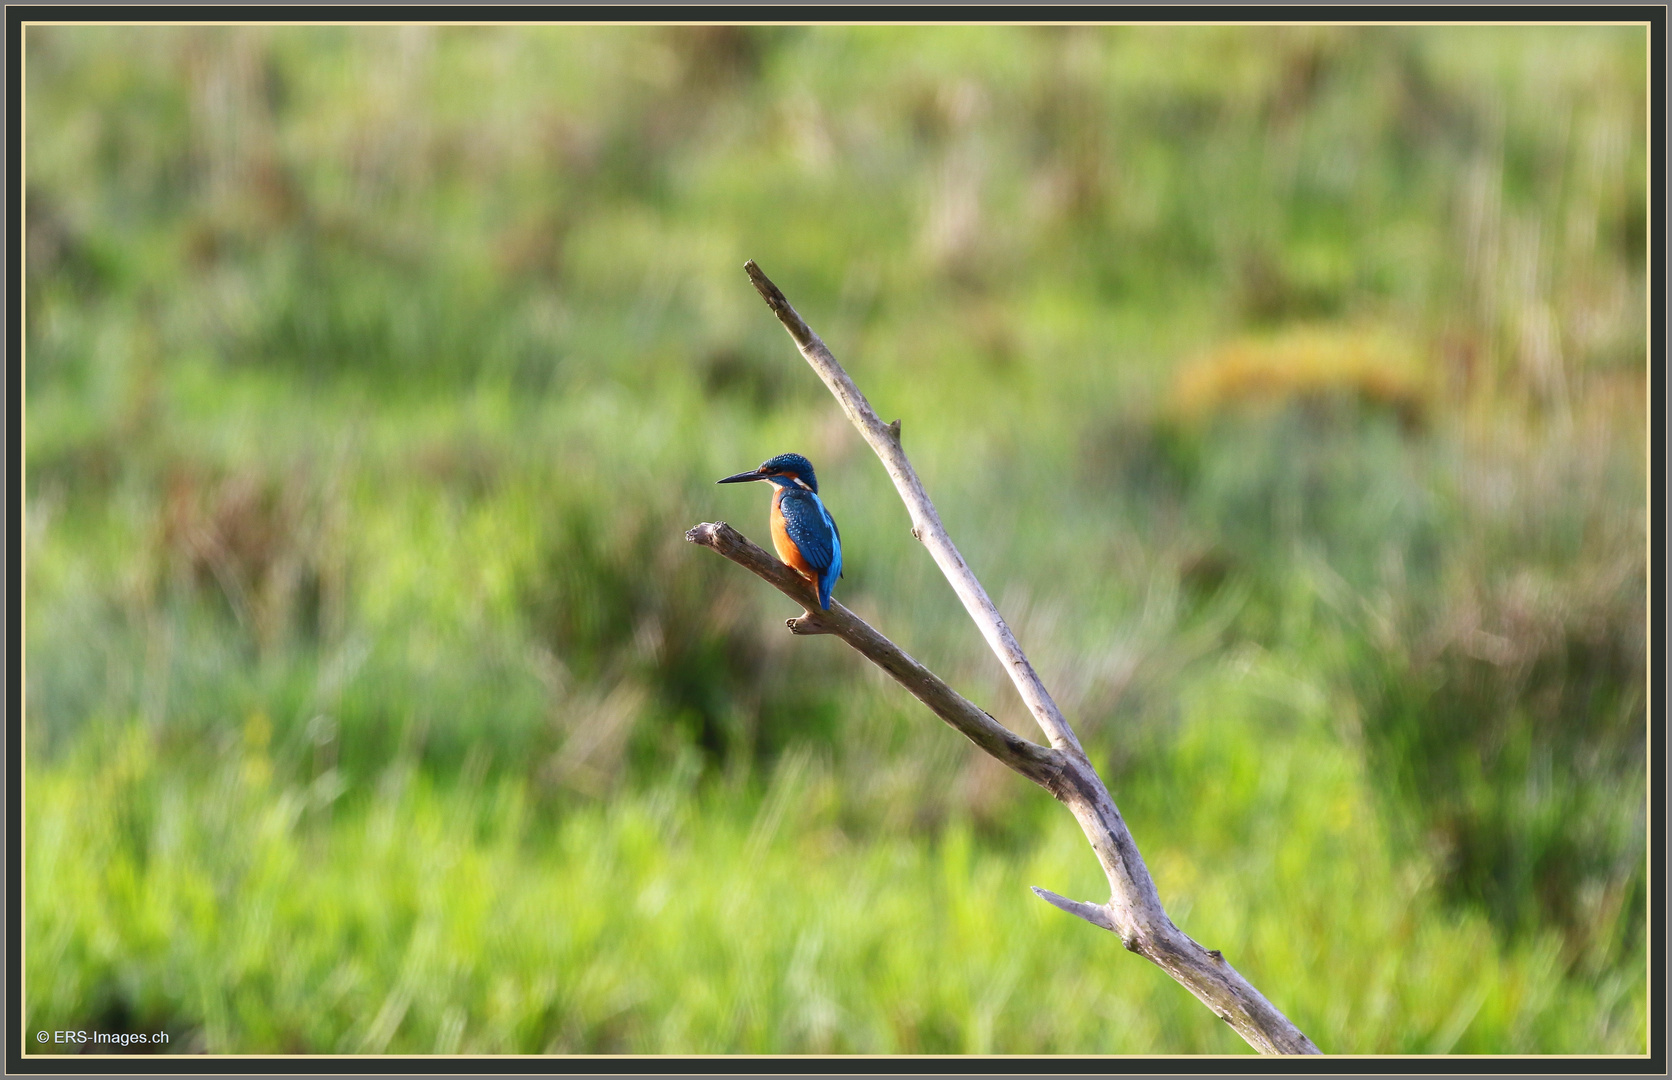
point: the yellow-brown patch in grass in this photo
(1367, 364)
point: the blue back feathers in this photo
(814, 531)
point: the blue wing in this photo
(810, 525)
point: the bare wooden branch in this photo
(926, 523)
(1038, 763)
(1133, 910)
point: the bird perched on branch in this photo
(802, 529)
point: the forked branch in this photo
(1133, 910)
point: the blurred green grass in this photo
(1285, 386)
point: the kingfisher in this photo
(802, 529)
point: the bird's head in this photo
(785, 470)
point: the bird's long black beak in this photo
(742, 477)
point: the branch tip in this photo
(1096, 914)
(779, 303)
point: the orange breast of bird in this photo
(787, 550)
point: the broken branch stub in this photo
(1133, 910)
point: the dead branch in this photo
(1029, 759)
(1134, 910)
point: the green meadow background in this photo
(1284, 385)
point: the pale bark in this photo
(1133, 911)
